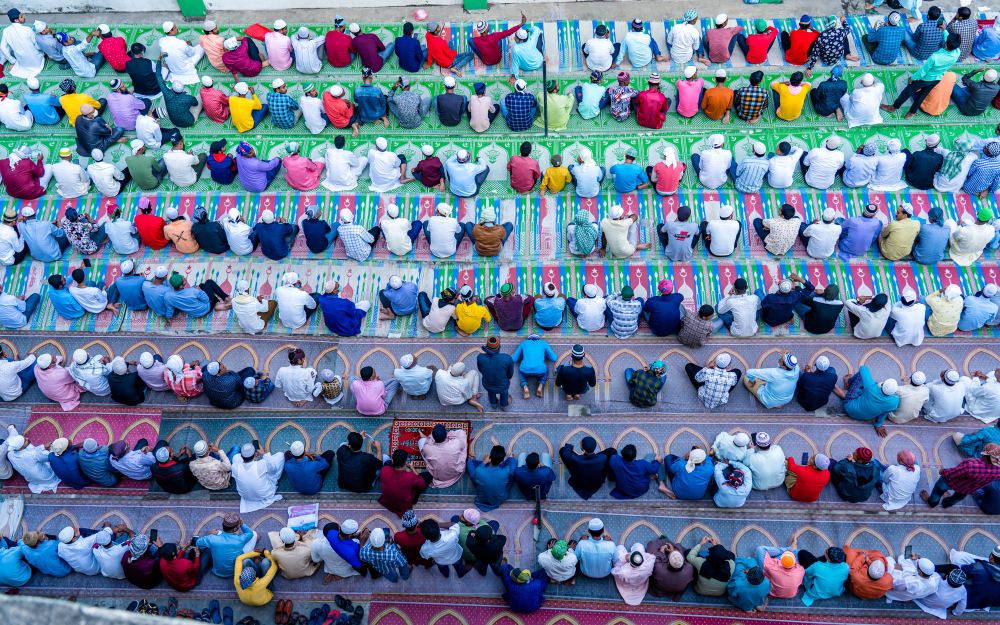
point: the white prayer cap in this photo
(136, 145)
(723, 360)
(17, 441)
(349, 526)
(932, 140)
(287, 535)
(953, 292)
(171, 212)
(595, 525)
(759, 148)
(716, 140)
(909, 295)
(822, 363)
(231, 43)
(168, 26)
(346, 216)
(249, 382)
(104, 28)
(161, 271)
(247, 450)
(241, 88)
(726, 211)
(889, 386)
(406, 361)
(720, 73)
(742, 439)
(463, 155)
(290, 278)
(867, 79)
(39, 26)
(127, 265)
(279, 24)
(103, 538)
(119, 366)
(521, 34)
(392, 211)
(427, 150)
(926, 566)
(177, 86)
(27, 211)
(44, 362)
(208, 25)
(520, 85)
(690, 71)
(66, 535)
(59, 445)
(449, 81)
(200, 448)
(590, 290)
(297, 448)
(785, 286)
(381, 143)
(695, 457)
(175, 363)
(80, 356)
(444, 208)
(395, 282)
(968, 220)
(876, 569)
(918, 378)
(457, 368)
(833, 143)
(303, 33)
(233, 214)
(354, 28)
(616, 212)
(377, 537)
(277, 83)
(990, 75)
(162, 454)
(550, 289)
(829, 214)
(97, 154)
(951, 377)
(33, 83)
(146, 360)
(990, 290)
(907, 208)
(336, 91)
(721, 19)
(267, 216)
(212, 367)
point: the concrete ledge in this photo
(24, 609)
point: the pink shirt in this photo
(58, 385)
(689, 96)
(668, 178)
(369, 396)
(279, 50)
(784, 582)
(215, 103)
(302, 173)
(632, 581)
(212, 45)
(446, 460)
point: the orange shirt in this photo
(716, 102)
(338, 110)
(212, 45)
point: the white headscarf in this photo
(670, 157)
(19, 153)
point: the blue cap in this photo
(479, 87)
(837, 71)
(13, 14)
(805, 19)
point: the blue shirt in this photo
(930, 245)
(190, 300)
(414, 381)
(524, 598)
(750, 174)
(282, 108)
(857, 236)
(726, 496)
(130, 292)
(780, 387)
(868, 402)
(691, 485)
(305, 474)
(403, 300)
(977, 312)
(222, 171)
(12, 315)
(987, 44)
(346, 548)
(527, 56)
(628, 176)
(65, 304)
(97, 466)
(409, 53)
(596, 557)
(52, 48)
(14, 571)
(341, 316)
(315, 231)
(492, 483)
(371, 102)
(549, 311)
(462, 176)
(43, 107)
(40, 237)
(587, 180)
(225, 548)
(742, 593)
(519, 109)
(631, 478)
(889, 39)
(824, 580)
(272, 239)
(813, 388)
(67, 468)
(526, 480)
(155, 296)
(664, 313)
(532, 355)
(44, 558)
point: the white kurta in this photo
(333, 564)
(944, 402)
(861, 105)
(898, 486)
(257, 481)
(32, 463)
(946, 595)
(982, 399)
(13, 115)
(91, 298)
(383, 168)
(968, 242)
(456, 390)
(907, 584)
(181, 59)
(297, 382)
(5, 469)
(18, 44)
(342, 169)
(312, 114)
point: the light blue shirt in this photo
(532, 355)
(931, 243)
(48, 44)
(43, 107)
(45, 558)
(780, 387)
(155, 296)
(225, 548)
(527, 56)
(65, 304)
(977, 312)
(588, 179)
(190, 300)
(462, 176)
(727, 496)
(549, 311)
(14, 571)
(415, 380)
(750, 174)
(74, 56)
(596, 557)
(589, 106)
(639, 46)
(40, 237)
(11, 312)
(824, 580)
(402, 300)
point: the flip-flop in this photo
(213, 611)
(227, 616)
(314, 616)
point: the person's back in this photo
(853, 480)
(356, 470)
(631, 474)
(814, 387)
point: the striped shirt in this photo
(750, 174)
(624, 315)
(357, 241)
(187, 384)
(984, 174)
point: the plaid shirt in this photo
(644, 386)
(829, 46)
(928, 40)
(888, 38)
(966, 29)
(386, 561)
(624, 315)
(970, 475)
(519, 109)
(282, 106)
(620, 101)
(260, 392)
(357, 241)
(984, 174)
(717, 381)
(694, 330)
(750, 102)
(187, 384)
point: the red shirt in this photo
(150, 228)
(523, 173)
(113, 49)
(489, 45)
(180, 573)
(399, 489)
(410, 543)
(430, 170)
(651, 109)
(339, 47)
(338, 110)
(758, 45)
(802, 40)
(22, 181)
(809, 482)
(216, 104)
(668, 179)
(439, 51)
(238, 61)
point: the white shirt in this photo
(946, 595)
(342, 169)
(79, 554)
(723, 234)
(968, 242)
(860, 170)
(32, 463)
(781, 168)
(93, 299)
(945, 402)
(953, 185)
(92, 375)
(911, 401)
(889, 172)
(446, 550)
(292, 305)
(257, 481)
(13, 115)
(18, 44)
(246, 309)
(10, 384)
(558, 570)
(683, 40)
(11, 242)
(383, 168)
(312, 109)
(238, 235)
(823, 239)
(442, 231)
(590, 313)
(898, 486)
(713, 168)
(823, 165)
(870, 324)
(297, 382)
(120, 234)
(105, 177)
(148, 131)
(456, 390)
(307, 59)
(181, 58)
(767, 467)
(982, 399)
(909, 329)
(333, 564)
(110, 560)
(180, 166)
(861, 105)
(437, 319)
(71, 179)
(73, 54)
(6, 470)
(744, 308)
(599, 53)
(396, 235)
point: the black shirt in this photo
(143, 75)
(920, 168)
(356, 470)
(488, 552)
(586, 472)
(210, 236)
(174, 476)
(128, 389)
(451, 107)
(822, 315)
(575, 380)
(813, 388)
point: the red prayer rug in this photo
(406, 433)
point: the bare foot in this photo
(299, 404)
(910, 115)
(888, 108)
(405, 180)
(539, 392)
(527, 393)
(570, 397)
(266, 64)
(840, 115)
(385, 122)
(478, 406)
(385, 314)
(355, 129)
(666, 491)
(576, 397)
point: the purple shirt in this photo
(253, 171)
(857, 236)
(125, 109)
(153, 377)
(368, 46)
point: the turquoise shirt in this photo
(596, 557)
(65, 304)
(742, 593)
(871, 403)
(937, 65)
(527, 56)
(824, 581)
(780, 387)
(14, 571)
(45, 558)
(589, 106)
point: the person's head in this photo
(862, 455)
(532, 461)
(79, 276)
(596, 528)
(497, 455)
(830, 293)
(354, 441)
(933, 14)
(953, 42)
(400, 458)
(991, 453)
(761, 440)
(796, 78)
(169, 28)
(741, 286)
(56, 281)
(756, 77)
(964, 13)
(431, 530)
(788, 361)
(706, 311)
(525, 148)
(628, 453)
(787, 211)
(348, 528)
(690, 16)
(805, 22)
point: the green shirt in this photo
(559, 108)
(463, 535)
(142, 167)
(937, 64)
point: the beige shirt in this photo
(911, 400)
(944, 314)
(479, 109)
(213, 474)
(297, 561)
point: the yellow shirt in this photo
(257, 594)
(944, 314)
(241, 110)
(469, 317)
(898, 238)
(556, 179)
(71, 103)
(791, 104)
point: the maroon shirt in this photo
(22, 181)
(180, 573)
(399, 489)
(368, 46)
(410, 544)
(489, 45)
(523, 173)
(238, 61)
(430, 171)
(144, 572)
(339, 47)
